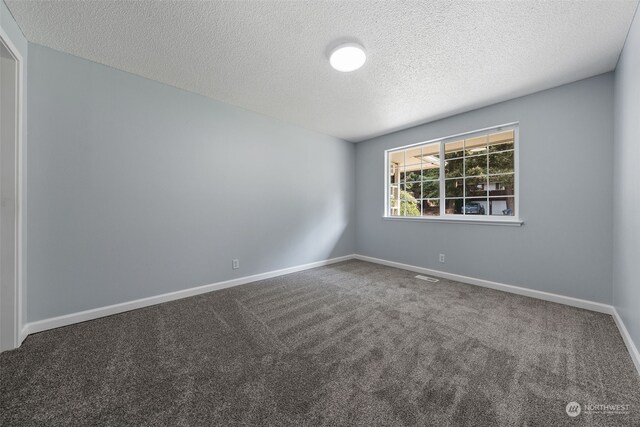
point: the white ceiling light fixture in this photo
(347, 57)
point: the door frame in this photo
(16, 316)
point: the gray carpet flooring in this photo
(348, 344)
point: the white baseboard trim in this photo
(633, 350)
(83, 316)
(547, 296)
(23, 334)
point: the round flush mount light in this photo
(347, 57)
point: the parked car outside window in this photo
(473, 208)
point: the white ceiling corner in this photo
(426, 59)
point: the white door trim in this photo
(18, 297)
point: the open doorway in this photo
(10, 153)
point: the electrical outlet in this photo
(441, 257)
(235, 264)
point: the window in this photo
(469, 176)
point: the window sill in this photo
(511, 222)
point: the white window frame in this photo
(443, 217)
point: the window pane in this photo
(430, 172)
(476, 165)
(476, 187)
(453, 149)
(431, 207)
(414, 189)
(431, 161)
(431, 189)
(393, 206)
(413, 156)
(502, 206)
(501, 141)
(453, 206)
(453, 188)
(394, 173)
(501, 185)
(431, 152)
(394, 191)
(412, 173)
(477, 145)
(409, 206)
(453, 168)
(501, 162)
(396, 166)
(397, 157)
(475, 206)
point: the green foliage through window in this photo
(408, 204)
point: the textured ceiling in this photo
(426, 59)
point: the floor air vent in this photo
(427, 278)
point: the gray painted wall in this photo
(137, 189)
(566, 160)
(626, 206)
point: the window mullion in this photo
(403, 182)
(421, 199)
(464, 177)
(442, 186)
(486, 180)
